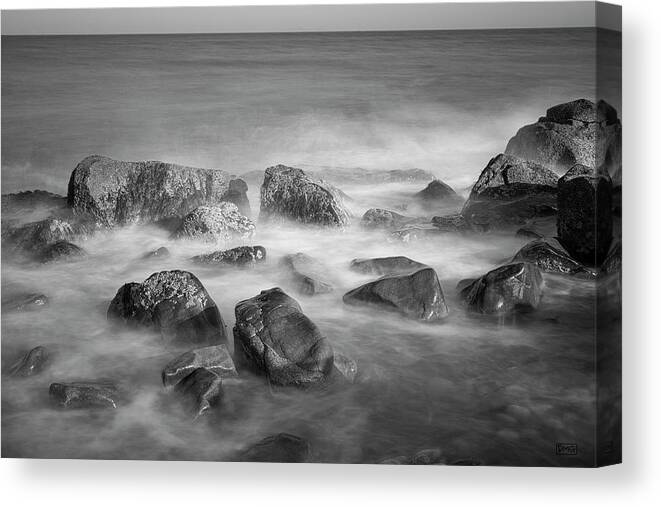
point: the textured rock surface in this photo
(376, 218)
(25, 302)
(308, 275)
(239, 256)
(202, 389)
(346, 367)
(550, 256)
(87, 394)
(437, 193)
(216, 359)
(288, 193)
(215, 224)
(34, 236)
(585, 220)
(417, 295)
(60, 250)
(117, 192)
(280, 448)
(451, 223)
(173, 302)
(31, 363)
(506, 289)
(386, 265)
(276, 338)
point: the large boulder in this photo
(377, 218)
(85, 394)
(437, 193)
(578, 132)
(288, 193)
(60, 250)
(280, 448)
(550, 256)
(275, 338)
(31, 363)
(585, 219)
(216, 359)
(172, 302)
(117, 192)
(509, 288)
(216, 224)
(386, 265)
(307, 274)
(202, 389)
(239, 256)
(417, 295)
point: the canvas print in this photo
(397, 247)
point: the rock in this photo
(61, 249)
(346, 367)
(31, 363)
(215, 224)
(585, 220)
(613, 261)
(280, 448)
(417, 295)
(549, 256)
(528, 233)
(215, 359)
(159, 253)
(451, 223)
(308, 275)
(31, 202)
(25, 302)
(203, 389)
(237, 194)
(118, 193)
(172, 302)
(376, 218)
(239, 256)
(578, 132)
(289, 194)
(428, 457)
(276, 339)
(437, 193)
(413, 233)
(86, 394)
(386, 265)
(509, 288)
(35, 236)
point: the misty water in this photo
(498, 391)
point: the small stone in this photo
(32, 363)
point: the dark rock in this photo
(239, 256)
(549, 256)
(216, 359)
(437, 193)
(527, 233)
(159, 253)
(509, 288)
(215, 224)
(275, 338)
(585, 220)
(309, 276)
(386, 265)
(173, 302)
(417, 295)
(31, 363)
(87, 394)
(280, 448)
(117, 192)
(35, 236)
(346, 367)
(376, 218)
(464, 282)
(32, 201)
(203, 389)
(25, 303)
(61, 249)
(451, 223)
(613, 261)
(237, 195)
(289, 194)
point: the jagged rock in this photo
(216, 359)
(585, 220)
(288, 193)
(417, 295)
(346, 367)
(215, 224)
(309, 276)
(159, 253)
(31, 363)
(577, 132)
(386, 265)
(172, 302)
(506, 289)
(528, 233)
(276, 339)
(203, 390)
(280, 448)
(61, 249)
(239, 256)
(376, 218)
(613, 261)
(437, 193)
(117, 192)
(550, 256)
(86, 394)
(25, 302)
(451, 223)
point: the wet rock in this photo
(215, 224)
(528, 233)
(202, 389)
(25, 302)
(509, 288)
(280, 448)
(578, 132)
(428, 457)
(309, 276)
(437, 193)
(613, 261)
(451, 223)
(35, 236)
(550, 256)
(86, 394)
(117, 192)
(275, 338)
(159, 253)
(61, 250)
(31, 363)
(386, 265)
(417, 295)
(346, 367)
(239, 256)
(376, 218)
(585, 220)
(288, 193)
(172, 302)
(215, 359)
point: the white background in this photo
(636, 482)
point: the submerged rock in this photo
(308, 275)
(346, 367)
(159, 253)
(288, 193)
(280, 448)
(61, 249)
(172, 302)
(509, 288)
(277, 339)
(376, 218)
(31, 363)
(25, 302)
(417, 295)
(437, 193)
(585, 220)
(215, 224)
(386, 265)
(203, 390)
(239, 256)
(216, 359)
(87, 394)
(117, 192)
(550, 256)
(413, 233)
